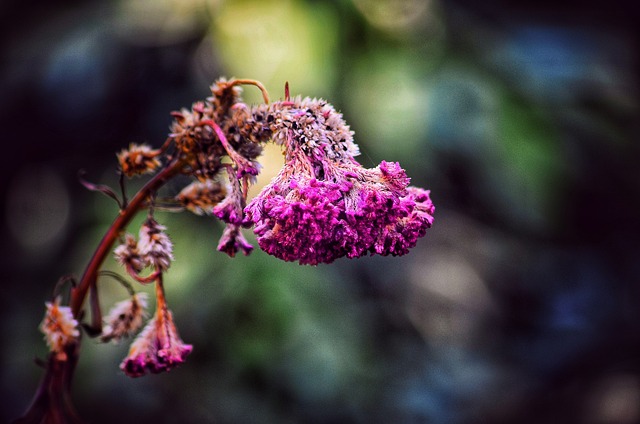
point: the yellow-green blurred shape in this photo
(388, 103)
(162, 22)
(272, 160)
(399, 17)
(276, 41)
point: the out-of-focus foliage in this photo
(520, 305)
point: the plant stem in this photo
(79, 293)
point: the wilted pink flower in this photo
(230, 209)
(157, 348)
(323, 204)
(233, 240)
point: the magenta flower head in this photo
(157, 348)
(323, 204)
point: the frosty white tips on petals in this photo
(59, 327)
(125, 318)
(154, 245)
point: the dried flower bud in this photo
(157, 348)
(201, 197)
(233, 240)
(59, 326)
(127, 254)
(154, 245)
(125, 318)
(138, 159)
(222, 126)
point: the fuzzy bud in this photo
(154, 245)
(125, 318)
(138, 159)
(59, 326)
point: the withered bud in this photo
(138, 159)
(200, 197)
(125, 318)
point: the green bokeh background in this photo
(520, 304)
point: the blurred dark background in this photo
(521, 305)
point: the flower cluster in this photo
(157, 348)
(59, 326)
(153, 248)
(221, 126)
(323, 204)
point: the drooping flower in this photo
(157, 348)
(230, 209)
(323, 204)
(59, 326)
(154, 245)
(232, 240)
(127, 254)
(125, 318)
(138, 159)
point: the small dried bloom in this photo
(125, 318)
(59, 326)
(200, 197)
(157, 348)
(323, 204)
(154, 245)
(230, 209)
(222, 126)
(138, 159)
(233, 240)
(128, 255)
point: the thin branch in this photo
(143, 280)
(244, 165)
(101, 188)
(265, 93)
(119, 279)
(79, 294)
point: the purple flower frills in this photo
(351, 212)
(323, 204)
(157, 348)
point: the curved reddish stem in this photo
(79, 293)
(265, 93)
(143, 280)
